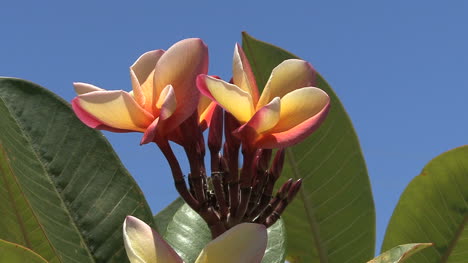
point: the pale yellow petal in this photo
(137, 92)
(83, 88)
(299, 105)
(167, 102)
(142, 76)
(231, 98)
(116, 109)
(144, 245)
(244, 243)
(242, 73)
(267, 117)
(180, 66)
(290, 75)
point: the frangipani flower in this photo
(205, 109)
(288, 110)
(164, 93)
(244, 243)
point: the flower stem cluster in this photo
(232, 194)
(173, 99)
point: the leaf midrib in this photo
(454, 241)
(323, 257)
(19, 219)
(295, 174)
(40, 161)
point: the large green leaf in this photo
(333, 217)
(64, 193)
(401, 253)
(15, 253)
(165, 216)
(188, 234)
(434, 208)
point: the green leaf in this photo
(64, 192)
(434, 209)
(15, 253)
(164, 217)
(400, 253)
(188, 234)
(333, 217)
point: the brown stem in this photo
(275, 215)
(179, 181)
(219, 194)
(280, 195)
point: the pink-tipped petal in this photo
(144, 245)
(142, 76)
(167, 102)
(137, 93)
(244, 243)
(295, 134)
(83, 88)
(290, 75)
(242, 74)
(89, 119)
(233, 99)
(205, 111)
(180, 66)
(151, 132)
(299, 105)
(263, 121)
(267, 117)
(115, 109)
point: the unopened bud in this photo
(296, 186)
(215, 135)
(277, 165)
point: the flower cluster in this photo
(173, 99)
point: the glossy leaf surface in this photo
(400, 253)
(188, 234)
(434, 209)
(333, 217)
(64, 191)
(14, 253)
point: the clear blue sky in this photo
(399, 67)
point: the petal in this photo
(167, 102)
(180, 66)
(144, 245)
(267, 117)
(290, 75)
(242, 74)
(116, 109)
(83, 88)
(150, 133)
(230, 97)
(243, 243)
(142, 76)
(310, 103)
(299, 105)
(205, 111)
(295, 134)
(263, 120)
(90, 120)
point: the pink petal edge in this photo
(295, 134)
(150, 133)
(248, 71)
(90, 120)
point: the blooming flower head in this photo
(164, 93)
(288, 110)
(244, 243)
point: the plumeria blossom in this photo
(205, 110)
(244, 243)
(288, 110)
(164, 93)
